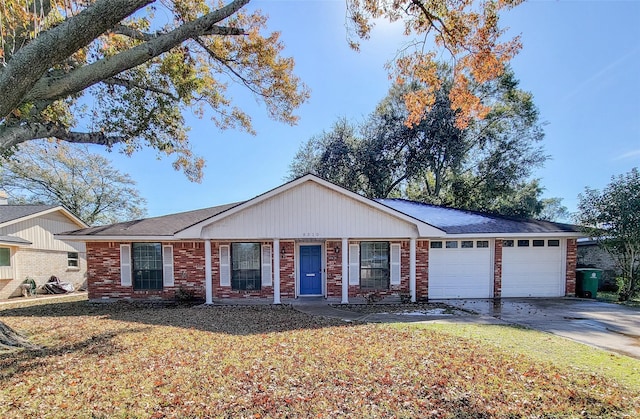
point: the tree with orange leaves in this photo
(467, 30)
(128, 74)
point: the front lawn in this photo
(119, 360)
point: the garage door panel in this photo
(460, 273)
(532, 272)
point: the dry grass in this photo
(120, 360)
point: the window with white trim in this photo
(72, 259)
(482, 243)
(246, 266)
(374, 265)
(436, 245)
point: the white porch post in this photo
(345, 271)
(208, 286)
(276, 271)
(412, 269)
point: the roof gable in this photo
(11, 214)
(310, 207)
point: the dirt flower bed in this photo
(403, 308)
(122, 361)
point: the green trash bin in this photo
(587, 281)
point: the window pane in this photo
(72, 259)
(553, 243)
(507, 243)
(147, 266)
(538, 243)
(523, 243)
(482, 243)
(466, 244)
(245, 266)
(374, 265)
(436, 245)
(5, 256)
(452, 245)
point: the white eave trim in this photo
(195, 231)
(510, 235)
(90, 238)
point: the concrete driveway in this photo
(608, 326)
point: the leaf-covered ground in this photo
(128, 361)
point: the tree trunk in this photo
(10, 339)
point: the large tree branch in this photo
(11, 136)
(51, 88)
(27, 66)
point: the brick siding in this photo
(497, 269)
(422, 270)
(572, 260)
(334, 268)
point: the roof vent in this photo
(3, 198)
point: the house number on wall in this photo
(310, 234)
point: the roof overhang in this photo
(14, 241)
(88, 238)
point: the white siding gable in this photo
(310, 210)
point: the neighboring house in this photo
(591, 255)
(28, 247)
(310, 237)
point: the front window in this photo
(72, 259)
(5, 256)
(374, 265)
(245, 266)
(147, 266)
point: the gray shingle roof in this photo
(166, 225)
(14, 240)
(456, 221)
(14, 212)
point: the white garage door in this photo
(533, 268)
(460, 269)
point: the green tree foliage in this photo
(612, 217)
(124, 71)
(485, 166)
(85, 183)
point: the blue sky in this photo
(581, 61)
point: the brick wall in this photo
(103, 274)
(41, 264)
(497, 269)
(334, 268)
(403, 288)
(572, 259)
(226, 291)
(287, 269)
(422, 270)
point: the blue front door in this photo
(310, 270)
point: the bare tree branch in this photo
(130, 84)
